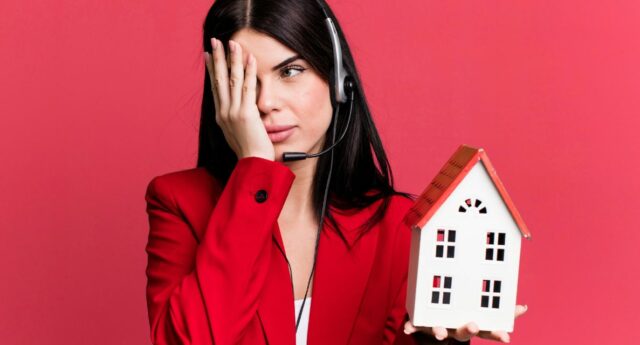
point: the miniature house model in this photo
(465, 247)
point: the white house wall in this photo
(469, 268)
(412, 278)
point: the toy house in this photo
(465, 247)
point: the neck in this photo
(299, 205)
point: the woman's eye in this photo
(287, 71)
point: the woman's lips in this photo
(277, 136)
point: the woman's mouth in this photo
(279, 133)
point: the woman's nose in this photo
(265, 98)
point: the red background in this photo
(97, 97)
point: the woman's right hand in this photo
(465, 332)
(235, 101)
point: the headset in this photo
(343, 90)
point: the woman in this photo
(235, 251)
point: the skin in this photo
(249, 95)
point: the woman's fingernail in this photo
(232, 46)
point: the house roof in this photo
(449, 177)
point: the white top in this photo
(301, 334)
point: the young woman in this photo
(241, 249)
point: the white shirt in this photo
(301, 334)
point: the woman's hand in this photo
(465, 332)
(235, 101)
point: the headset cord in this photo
(324, 203)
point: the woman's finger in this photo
(208, 61)
(495, 335)
(465, 332)
(249, 87)
(520, 309)
(236, 78)
(439, 332)
(409, 328)
(220, 77)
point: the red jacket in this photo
(217, 274)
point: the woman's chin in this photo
(279, 151)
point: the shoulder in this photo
(184, 190)
(390, 225)
(194, 180)
(187, 178)
(398, 206)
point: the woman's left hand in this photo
(465, 332)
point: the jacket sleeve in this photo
(208, 292)
(398, 315)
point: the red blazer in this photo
(217, 274)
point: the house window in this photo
(441, 293)
(490, 297)
(472, 205)
(445, 243)
(495, 246)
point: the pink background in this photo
(97, 97)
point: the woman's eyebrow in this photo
(285, 62)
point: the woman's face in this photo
(289, 93)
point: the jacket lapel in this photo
(276, 310)
(340, 279)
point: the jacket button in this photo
(261, 195)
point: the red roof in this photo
(449, 177)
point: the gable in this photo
(448, 180)
(475, 202)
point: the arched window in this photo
(472, 205)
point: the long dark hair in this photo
(356, 180)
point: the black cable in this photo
(324, 203)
